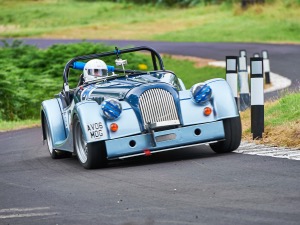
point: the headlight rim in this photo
(111, 108)
(201, 89)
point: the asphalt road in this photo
(187, 186)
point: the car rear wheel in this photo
(90, 155)
(55, 154)
(233, 136)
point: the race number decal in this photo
(95, 130)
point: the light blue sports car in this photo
(115, 112)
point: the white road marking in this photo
(263, 150)
(26, 215)
(25, 212)
(22, 209)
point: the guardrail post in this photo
(243, 81)
(266, 66)
(231, 76)
(257, 97)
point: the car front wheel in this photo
(90, 155)
(233, 136)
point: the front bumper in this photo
(167, 139)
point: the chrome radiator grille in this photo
(158, 107)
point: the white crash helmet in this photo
(93, 69)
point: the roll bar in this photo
(154, 55)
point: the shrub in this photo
(30, 75)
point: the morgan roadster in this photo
(131, 112)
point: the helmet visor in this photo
(97, 72)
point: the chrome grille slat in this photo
(154, 110)
(158, 105)
(165, 103)
(159, 109)
(143, 107)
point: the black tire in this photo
(233, 136)
(65, 154)
(90, 155)
(54, 153)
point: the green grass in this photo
(278, 22)
(189, 73)
(20, 124)
(284, 111)
(258, 24)
(282, 122)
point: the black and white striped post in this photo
(243, 81)
(257, 97)
(231, 76)
(266, 66)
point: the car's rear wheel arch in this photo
(43, 125)
(47, 132)
(54, 153)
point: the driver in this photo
(93, 69)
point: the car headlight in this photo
(201, 93)
(111, 108)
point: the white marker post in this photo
(243, 81)
(266, 66)
(243, 53)
(231, 75)
(257, 97)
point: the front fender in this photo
(92, 124)
(222, 102)
(222, 99)
(51, 113)
(95, 127)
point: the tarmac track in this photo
(187, 186)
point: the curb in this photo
(271, 151)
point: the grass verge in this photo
(17, 125)
(282, 122)
(192, 70)
(277, 22)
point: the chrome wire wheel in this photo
(49, 138)
(52, 151)
(80, 144)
